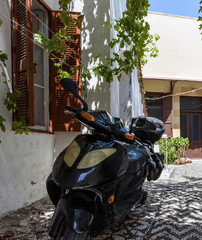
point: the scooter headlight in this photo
(72, 153)
(95, 157)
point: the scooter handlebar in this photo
(74, 110)
(109, 129)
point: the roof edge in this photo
(171, 79)
(172, 15)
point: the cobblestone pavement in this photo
(173, 211)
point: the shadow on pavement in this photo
(172, 211)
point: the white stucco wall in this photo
(25, 164)
(25, 161)
(95, 37)
(95, 40)
(180, 48)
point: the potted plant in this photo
(182, 144)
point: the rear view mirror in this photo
(69, 85)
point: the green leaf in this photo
(116, 27)
(109, 26)
(3, 57)
(112, 44)
(16, 125)
(2, 126)
(122, 44)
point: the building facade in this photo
(26, 161)
(173, 81)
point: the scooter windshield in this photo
(103, 117)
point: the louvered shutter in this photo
(60, 97)
(24, 60)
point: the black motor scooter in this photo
(98, 178)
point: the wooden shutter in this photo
(24, 59)
(59, 96)
(167, 115)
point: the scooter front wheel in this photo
(66, 233)
(70, 234)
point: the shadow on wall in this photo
(95, 40)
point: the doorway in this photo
(191, 124)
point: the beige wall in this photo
(157, 86)
(180, 58)
(180, 47)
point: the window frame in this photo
(167, 111)
(160, 107)
(50, 95)
(46, 74)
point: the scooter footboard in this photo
(72, 211)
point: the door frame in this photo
(195, 150)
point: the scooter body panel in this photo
(74, 211)
(108, 169)
(137, 156)
(120, 176)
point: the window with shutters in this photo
(43, 100)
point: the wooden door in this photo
(191, 124)
(191, 127)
